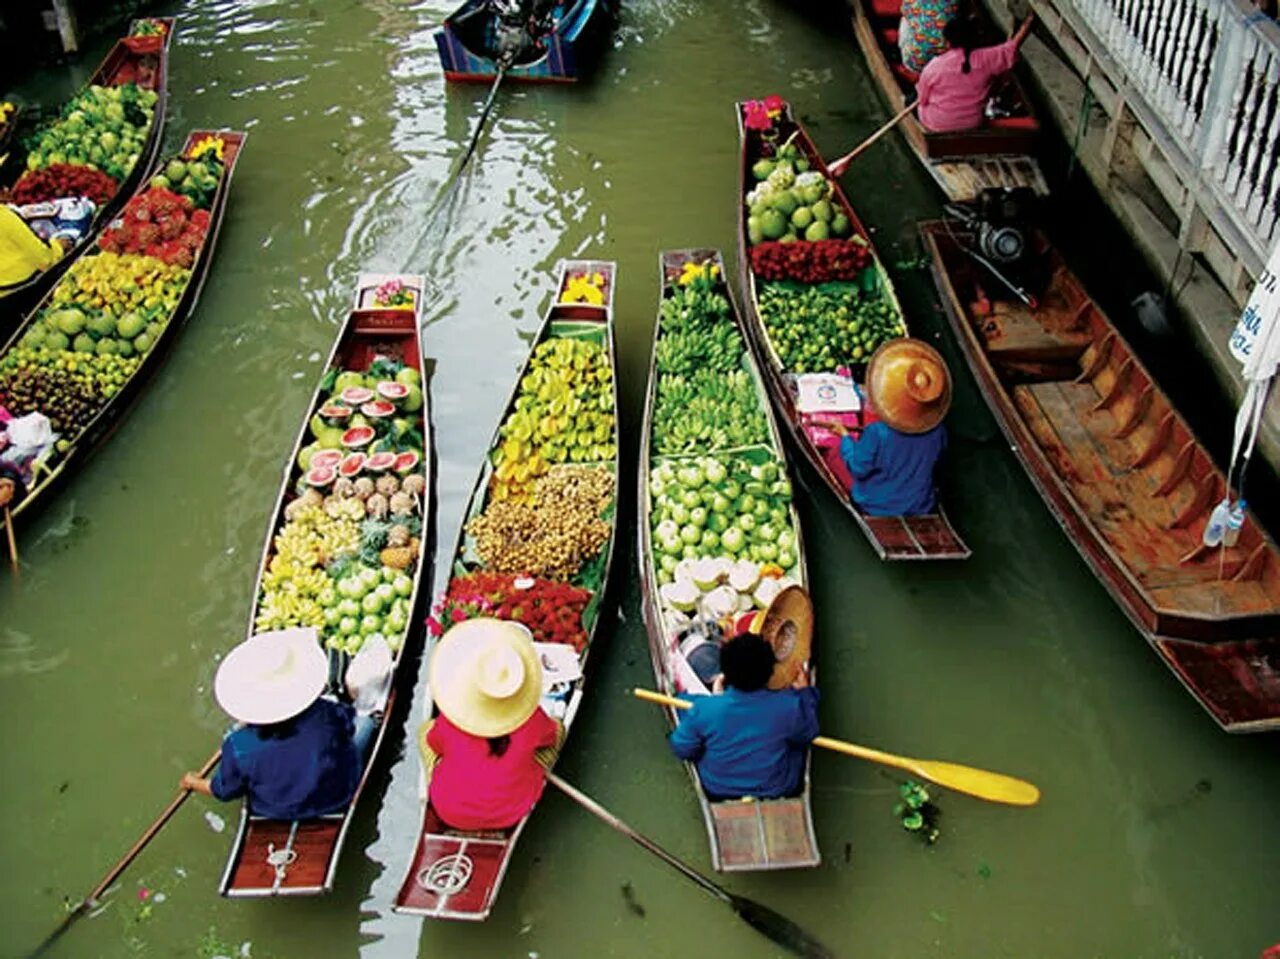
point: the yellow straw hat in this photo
(485, 676)
(787, 626)
(272, 676)
(909, 385)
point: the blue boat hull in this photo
(565, 51)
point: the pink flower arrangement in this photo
(393, 294)
(761, 114)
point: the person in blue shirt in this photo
(892, 463)
(749, 740)
(298, 754)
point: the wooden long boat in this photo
(964, 163)
(271, 857)
(58, 463)
(1125, 477)
(559, 48)
(924, 537)
(454, 873)
(759, 835)
(123, 64)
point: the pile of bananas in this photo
(289, 591)
(563, 414)
(707, 411)
(313, 538)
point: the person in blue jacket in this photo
(749, 740)
(893, 462)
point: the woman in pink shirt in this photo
(487, 747)
(954, 86)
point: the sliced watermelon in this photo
(321, 476)
(352, 464)
(355, 395)
(394, 392)
(405, 462)
(377, 409)
(326, 458)
(357, 437)
(335, 414)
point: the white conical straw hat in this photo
(485, 676)
(272, 676)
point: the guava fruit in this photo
(773, 224)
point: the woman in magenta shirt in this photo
(954, 86)
(483, 747)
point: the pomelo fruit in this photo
(824, 211)
(409, 377)
(306, 456)
(761, 169)
(346, 379)
(355, 395)
(817, 231)
(785, 202)
(357, 437)
(392, 392)
(413, 402)
(773, 224)
(802, 218)
(321, 476)
(840, 225)
(352, 464)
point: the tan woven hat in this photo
(485, 676)
(787, 626)
(908, 384)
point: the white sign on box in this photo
(827, 393)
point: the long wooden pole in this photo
(764, 920)
(91, 900)
(993, 787)
(13, 541)
(837, 167)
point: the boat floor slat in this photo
(476, 865)
(1119, 502)
(1238, 683)
(313, 845)
(928, 536)
(764, 834)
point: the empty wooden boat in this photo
(553, 44)
(760, 834)
(1124, 475)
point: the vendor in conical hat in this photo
(297, 754)
(751, 739)
(892, 463)
(483, 747)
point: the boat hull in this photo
(567, 52)
(1128, 482)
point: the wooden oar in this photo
(91, 900)
(837, 167)
(993, 787)
(764, 920)
(13, 542)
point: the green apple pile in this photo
(194, 178)
(788, 205)
(711, 506)
(103, 127)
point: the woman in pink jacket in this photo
(954, 86)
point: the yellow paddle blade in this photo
(993, 787)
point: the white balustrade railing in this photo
(1209, 72)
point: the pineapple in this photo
(397, 557)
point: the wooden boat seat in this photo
(1239, 683)
(1011, 333)
(764, 834)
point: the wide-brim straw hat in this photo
(485, 676)
(909, 385)
(272, 677)
(787, 626)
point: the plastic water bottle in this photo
(1216, 528)
(1234, 521)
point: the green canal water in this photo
(1157, 834)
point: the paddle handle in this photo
(13, 541)
(593, 807)
(838, 167)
